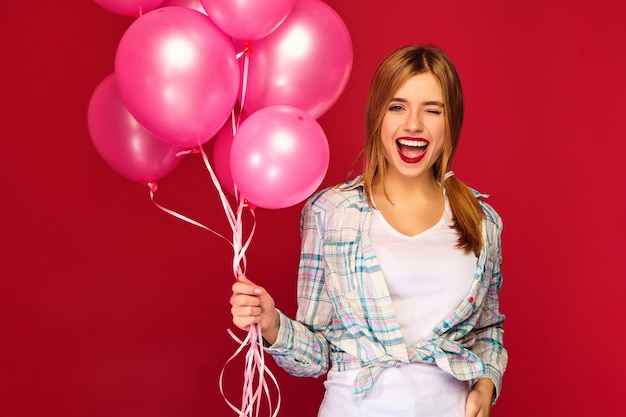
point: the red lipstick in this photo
(412, 150)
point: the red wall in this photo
(110, 307)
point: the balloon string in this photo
(234, 122)
(239, 248)
(235, 220)
(244, 83)
(153, 186)
(247, 50)
(230, 216)
(255, 370)
(251, 400)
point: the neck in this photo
(400, 188)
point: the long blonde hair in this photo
(395, 69)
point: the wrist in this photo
(271, 333)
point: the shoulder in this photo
(345, 195)
(337, 212)
(491, 216)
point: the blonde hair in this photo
(395, 69)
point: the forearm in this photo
(299, 350)
(480, 399)
(486, 388)
(494, 356)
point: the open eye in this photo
(396, 108)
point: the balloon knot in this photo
(248, 204)
(247, 48)
(188, 151)
(152, 185)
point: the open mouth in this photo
(412, 150)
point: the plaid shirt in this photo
(345, 315)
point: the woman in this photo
(399, 274)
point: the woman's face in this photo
(413, 130)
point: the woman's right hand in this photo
(251, 304)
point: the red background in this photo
(110, 307)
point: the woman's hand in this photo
(478, 403)
(251, 304)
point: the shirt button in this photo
(446, 325)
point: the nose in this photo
(413, 122)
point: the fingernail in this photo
(257, 291)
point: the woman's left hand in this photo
(478, 403)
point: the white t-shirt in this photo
(427, 277)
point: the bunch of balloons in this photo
(185, 70)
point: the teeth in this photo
(416, 143)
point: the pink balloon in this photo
(178, 75)
(122, 142)
(129, 7)
(279, 156)
(305, 63)
(221, 154)
(190, 4)
(248, 20)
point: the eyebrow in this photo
(426, 103)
